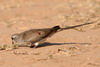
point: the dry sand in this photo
(69, 48)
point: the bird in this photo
(34, 37)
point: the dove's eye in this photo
(13, 37)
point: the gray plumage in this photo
(34, 37)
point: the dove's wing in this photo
(36, 35)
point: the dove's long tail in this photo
(56, 28)
(71, 27)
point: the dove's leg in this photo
(34, 45)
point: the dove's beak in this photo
(12, 42)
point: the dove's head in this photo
(14, 38)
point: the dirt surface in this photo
(69, 48)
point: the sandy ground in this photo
(69, 48)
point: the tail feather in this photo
(56, 27)
(70, 27)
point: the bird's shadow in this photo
(50, 44)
